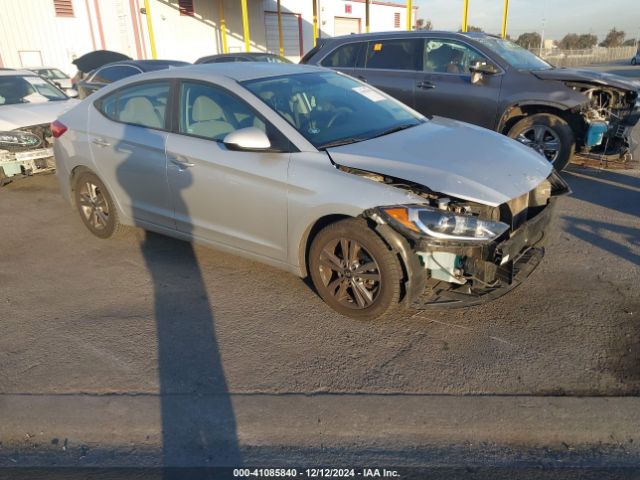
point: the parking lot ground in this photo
(149, 351)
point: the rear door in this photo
(128, 130)
(445, 87)
(392, 65)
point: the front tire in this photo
(549, 135)
(96, 207)
(633, 61)
(354, 271)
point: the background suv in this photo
(494, 83)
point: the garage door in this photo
(346, 26)
(290, 35)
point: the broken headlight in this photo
(18, 139)
(444, 225)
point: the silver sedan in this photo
(314, 172)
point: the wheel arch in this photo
(517, 111)
(310, 233)
(73, 176)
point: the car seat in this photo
(208, 119)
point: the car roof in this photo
(404, 33)
(240, 71)
(20, 73)
(148, 65)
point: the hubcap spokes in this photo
(350, 273)
(543, 140)
(94, 206)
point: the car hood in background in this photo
(28, 114)
(575, 75)
(452, 158)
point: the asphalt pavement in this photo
(146, 350)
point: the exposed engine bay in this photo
(617, 108)
(459, 273)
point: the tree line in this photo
(571, 41)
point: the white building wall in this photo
(31, 26)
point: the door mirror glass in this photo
(483, 67)
(249, 139)
(479, 69)
(73, 93)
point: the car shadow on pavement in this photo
(613, 191)
(198, 420)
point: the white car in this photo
(28, 104)
(55, 76)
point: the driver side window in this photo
(448, 56)
(212, 113)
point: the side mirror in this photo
(479, 69)
(249, 139)
(71, 93)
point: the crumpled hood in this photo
(575, 75)
(28, 114)
(452, 158)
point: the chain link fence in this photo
(575, 58)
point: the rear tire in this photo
(354, 271)
(96, 207)
(633, 61)
(549, 135)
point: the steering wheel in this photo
(339, 112)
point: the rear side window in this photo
(111, 74)
(344, 56)
(401, 54)
(143, 104)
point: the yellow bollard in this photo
(366, 16)
(504, 18)
(280, 29)
(465, 14)
(223, 27)
(409, 14)
(315, 22)
(245, 26)
(152, 40)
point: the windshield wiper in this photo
(397, 128)
(342, 141)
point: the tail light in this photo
(58, 128)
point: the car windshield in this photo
(27, 89)
(514, 54)
(53, 73)
(330, 109)
(271, 59)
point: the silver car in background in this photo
(314, 172)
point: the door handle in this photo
(362, 79)
(425, 85)
(101, 142)
(180, 162)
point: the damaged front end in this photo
(26, 151)
(608, 117)
(459, 253)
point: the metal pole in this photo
(504, 18)
(223, 27)
(152, 39)
(245, 26)
(366, 16)
(315, 22)
(465, 14)
(409, 14)
(280, 29)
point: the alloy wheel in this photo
(350, 273)
(94, 205)
(543, 140)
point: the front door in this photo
(445, 88)
(236, 198)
